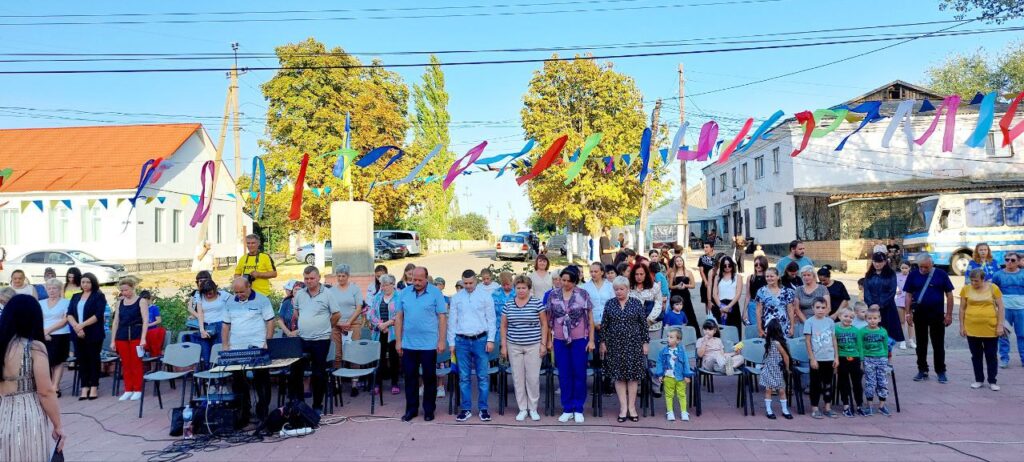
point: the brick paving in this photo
(931, 412)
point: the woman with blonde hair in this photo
(983, 260)
(55, 329)
(129, 328)
(981, 321)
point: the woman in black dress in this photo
(680, 282)
(880, 289)
(624, 346)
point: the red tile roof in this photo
(100, 158)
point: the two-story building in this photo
(844, 202)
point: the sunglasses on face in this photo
(1010, 260)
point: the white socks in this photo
(768, 406)
(785, 406)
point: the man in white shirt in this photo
(471, 331)
(318, 310)
(248, 323)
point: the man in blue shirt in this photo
(471, 332)
(420, 331)
(929, 292)
(1011, 282)
(796, 253)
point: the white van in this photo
(948, 226)
(411, 239)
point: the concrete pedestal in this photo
(352, 236)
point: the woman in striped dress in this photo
(523, 324)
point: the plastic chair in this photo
(107, 356)
(647, 385)
(729, 334)
(360, 353)
(444, 368)
(705, 376)
(753, 356)
(799, 364)
(208, 376)
(180, 355)
(750, 331)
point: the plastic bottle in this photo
(186, 416)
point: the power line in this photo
(375, 18)
(941, 33)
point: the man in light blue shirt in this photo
(420, 325)
(796, 253)
(1011, 282)
(471, 331)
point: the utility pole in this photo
(641, 235)
(683, 225)
(239, 197)
(218, 156)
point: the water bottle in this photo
(186, 416)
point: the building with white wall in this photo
(70, 188)
(861, 192)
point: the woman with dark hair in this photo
(790, 276)
(571, 320)
(210, 312)
(642, 287)
(372, 289)
(610, 273)
(680, 281)
(406, 276)
(85, 314)
(27, 396)
(540, 278)
(837, 293)
(72, 282)
(880, 289)
(726, 293)
(21, 284)
(754, 284)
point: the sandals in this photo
(633, 418)
(621, 419)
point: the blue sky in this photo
(478, 93)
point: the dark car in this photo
(384, 249)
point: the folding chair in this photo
(799, 364)
(180, 355)
(496, 369)
(753, 356)
(750, 331)
(705, 376)
(647, 384)
(208, 376)
(360, 353)
(596, 397)
(444, 368)
(108, 356)
(729, 334)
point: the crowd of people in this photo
(604, 315)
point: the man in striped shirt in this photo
(1011, 282)
(471, 331)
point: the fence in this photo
(170, 265)
(435, 246)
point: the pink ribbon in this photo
(203, 209)
(463, 163)
(708, 136)
(951, 103)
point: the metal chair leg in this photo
(895, 390)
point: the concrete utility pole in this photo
(641, 237)
(683, 225)
(239, 197)
(218, 156)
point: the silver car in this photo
(34, 263)
(512, 246)
(305, 253)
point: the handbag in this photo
(177, 421)
(58, 455)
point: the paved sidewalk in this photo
(931, 412)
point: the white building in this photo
(70, 188)
(850, 199)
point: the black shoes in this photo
(485, 416)
(465, 415)
(428, 416)
(409, 416)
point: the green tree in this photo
(540, 225)
(966, 75)
(990, 10)
(470, 226)
(432, 207)
(578, 98)
(307, 103)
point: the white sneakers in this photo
(440, 392)
(126, 396)
(521, 416)
(671, 416)
(976, 385)
(136, 396)
(577, 417)
(993, 387)
(565, 417)
(911, 343)
(534, 416)
(903, 345)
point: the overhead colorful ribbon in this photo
(463, 163)
(588, 145)
(724, 156)
(871, 114)
(705, 144)
(986, 115)
(378, 152)
(416, 170)
(805, 118)
(762, 130)
(645, 154)
(545, 161)
(949, 107)
(296, 211)
(259, 173)
(204, 206)
(904, 113)
(838, 116)
(1009, 134)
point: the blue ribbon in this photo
(762, 130)
(645, 153)
(257, 165)
(376, 153)
(870, 111)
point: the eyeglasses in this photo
(1010, 260)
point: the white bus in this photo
(948, 226)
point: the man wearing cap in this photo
(318, 311)
(471, 332)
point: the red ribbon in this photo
(1009, 134)
(724, 157)
(545, 161)
(203, 209)
(806, 119)
(300, 182)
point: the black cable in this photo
(365, 18)
(541, 60)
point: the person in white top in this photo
(55, 329)
(600, 291)
(726, 293)
(471, 332)
(20, 284)
(203, 260)
(487, 283)
(541, 276)
(248, 322)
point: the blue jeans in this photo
(571, 360)
(206, 344)
(1016, 319)
(752, 313)
(472, 356)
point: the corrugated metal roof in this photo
(911, 187)
(98, 158)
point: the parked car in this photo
(512, 246)
(34, 263)
(411, 239)
(305, 253)
(384, 249)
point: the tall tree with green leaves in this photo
(432, 206)
(997, 11)
(307, 103)
(966, 75)
(578, 98)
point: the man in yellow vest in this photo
(256, 264)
